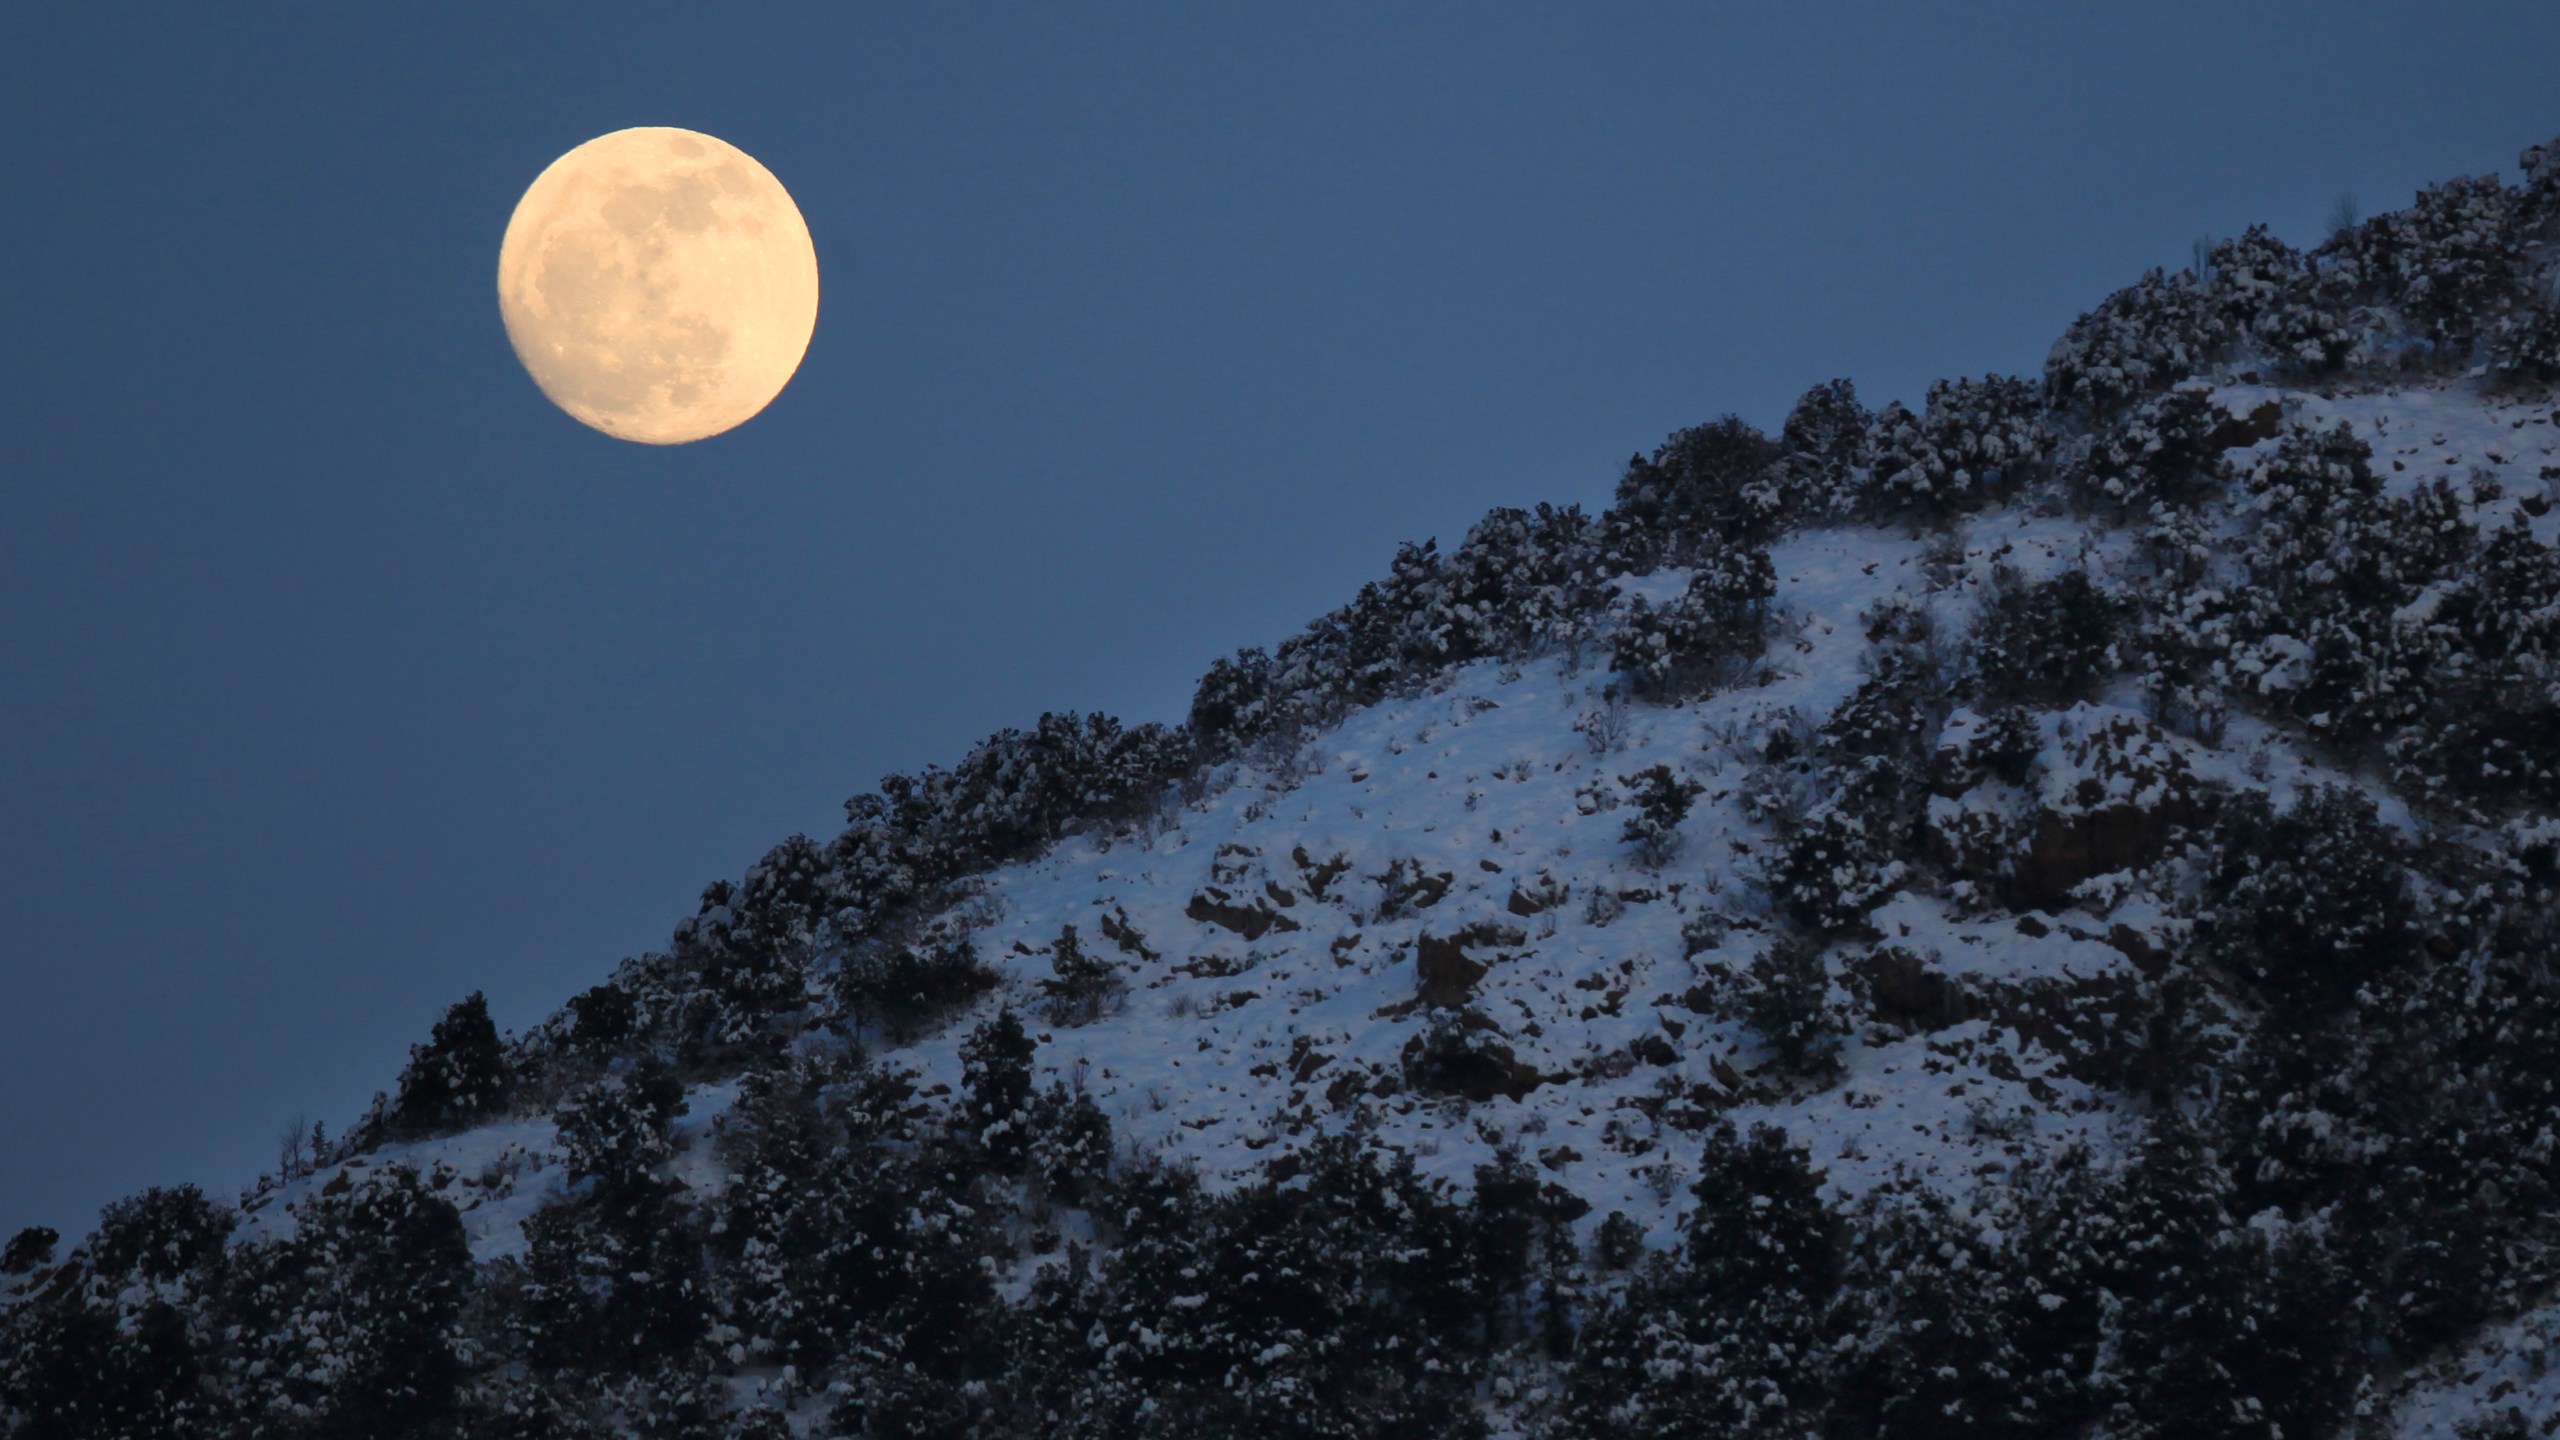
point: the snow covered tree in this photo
(458, 1078)
(1662, 801)
(1818, 452)
(903, 988)
(1733, 1337)
(1938, 1318)
(617, 1132)
(1706, 488)
(1851, 850)
(2263, 289)
(29, 1249)
(122, 1342)
(1521, 579)
(995, 1081)
(1784, 995)
(353, 1325)
(615, 1282)
(2219, 1333)
(614, 1276)
(2450, 262)
(2165, 454)
(1676, 650)
(2048, 642)
(1975, 442)
(2310, 902)
(160, 1235)
(2139, 341)
(1081, 985)
(1232, 703)
(1071, 1146)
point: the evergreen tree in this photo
(458, 1078)
(2309, 902)
(1819, 448)
(352, 1325)
(1662, 801)
(2048, 642)
(29, 1249)
(1734, 1337)
(1082, 984)
(995, 1083)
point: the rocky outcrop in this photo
(1445, 975)
(2110, 792)
(1464, 1055)
(1251, 917)
(2093, 1025)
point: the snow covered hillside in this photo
(2033, 916)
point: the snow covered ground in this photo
(1279, 935)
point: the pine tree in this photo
(1819, 447)
(2048, 642)
(1082, 985)
(29, 1249)
(2310, 902)
(458, 1078)
(995, 1085)
(1662, 801)
(352, 1326)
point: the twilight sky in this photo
(340, 675)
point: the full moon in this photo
(658, 284)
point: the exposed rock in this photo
(1537, 897)
(1115, 927)
(1444, 975)
(1465, 1056)
(2119, 795)
(1319, 875)
(1213, 906)
(2263, 423)
(1305, 1060)
(2110, 794)
(2090, 1024)
(1231, 862)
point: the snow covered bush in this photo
(458, 1078)
(2309, 902)
(1819, 449)
(2139, 341)
(1676, 651)
(2166, 454)
(1661, 799)
(2048, 642)
(1975, 442)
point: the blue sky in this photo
(344, 676)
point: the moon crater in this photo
(658, 284)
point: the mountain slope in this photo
(2032, 916)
